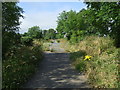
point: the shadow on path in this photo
(56, 71)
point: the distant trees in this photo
(66, 23)
(49, 34)
(33, 33)
(36, 33)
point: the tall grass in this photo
(20, 64)
(102, 69)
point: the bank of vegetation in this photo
(20, 55)
(97, 58)
(92, 38)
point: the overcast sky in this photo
(44, 14)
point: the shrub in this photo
(27, 41)
(20, 65)
(73, 40)
(8, 40)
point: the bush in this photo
(8, 40)
(27, 41)
(73, 40)
(20, 65)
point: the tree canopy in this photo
(11, 13)
(106, 18)
(100, 18)
(35, 32)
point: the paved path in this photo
(56, 71)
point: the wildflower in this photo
(87, 57)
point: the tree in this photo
(71, 23)
(49, 34)
(52, 33)
(61, 24)
(106, 18)
(35, 32)
(10, 25)
(66, 23)
(10, 16)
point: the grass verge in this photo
(103, 66)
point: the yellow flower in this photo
(87, 57)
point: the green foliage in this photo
(80, 67)
(10, 25)
(11, 14)
(8, 40)
(74, 26)
(27, 41)
(102, 69)
(20, 65)
(45, 34)
(49, 34)
(101, 18)
(77, 59)
(19, 62)
(73, 40)
(106, 18)
(66, 23)
(34, 32)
